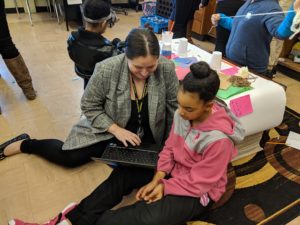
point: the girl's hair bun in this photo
(200, 70)
(202, 80)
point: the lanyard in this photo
(139, 105)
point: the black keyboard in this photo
(131, 156)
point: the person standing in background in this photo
(229, 8)
(87, 46)
(171, 21)
(184, 17)
(250, 37)
(276, 44)
(13, 59)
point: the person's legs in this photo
(13, 59)
(222, 36)
(51, 149)
(8, 49)
(189, 25)
(20, 72)
(108, 194)
(172, 16)
(170, 210)
(189, 31)
(276, 44)
(275, 50)
(183, 8)
(229, 8)
(121, 182)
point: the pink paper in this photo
(230, 71)
(181, 72)
(173, 56)
(241, 106)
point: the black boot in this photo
(270, 73)
(5, 144)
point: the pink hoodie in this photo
(197, 158)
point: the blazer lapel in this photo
(123, 95)
(153, 98)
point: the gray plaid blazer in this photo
(106, 100)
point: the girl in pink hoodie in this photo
(200, 145)
(191, 172)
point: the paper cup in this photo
(216, 61)
(167, 37)
(182, 47)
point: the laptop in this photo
(139, 156)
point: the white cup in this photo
(216, 61)
(167, 37)
(182, 47)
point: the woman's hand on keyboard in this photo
(125, 136)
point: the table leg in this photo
(29, 12)
(136, 5)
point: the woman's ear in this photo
(209, 105)
(103, 25)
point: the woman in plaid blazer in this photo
(130, 98)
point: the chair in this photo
(29, 12)
(118, 9)
(85, 59)
(85, 76)
(54, 3)
(28, 9)
(85, 56)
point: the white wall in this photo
(40, 3)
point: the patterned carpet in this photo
(265, 182)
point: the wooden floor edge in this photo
(278, 213)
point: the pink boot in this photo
(54, 221)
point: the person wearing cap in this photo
(87, 46)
